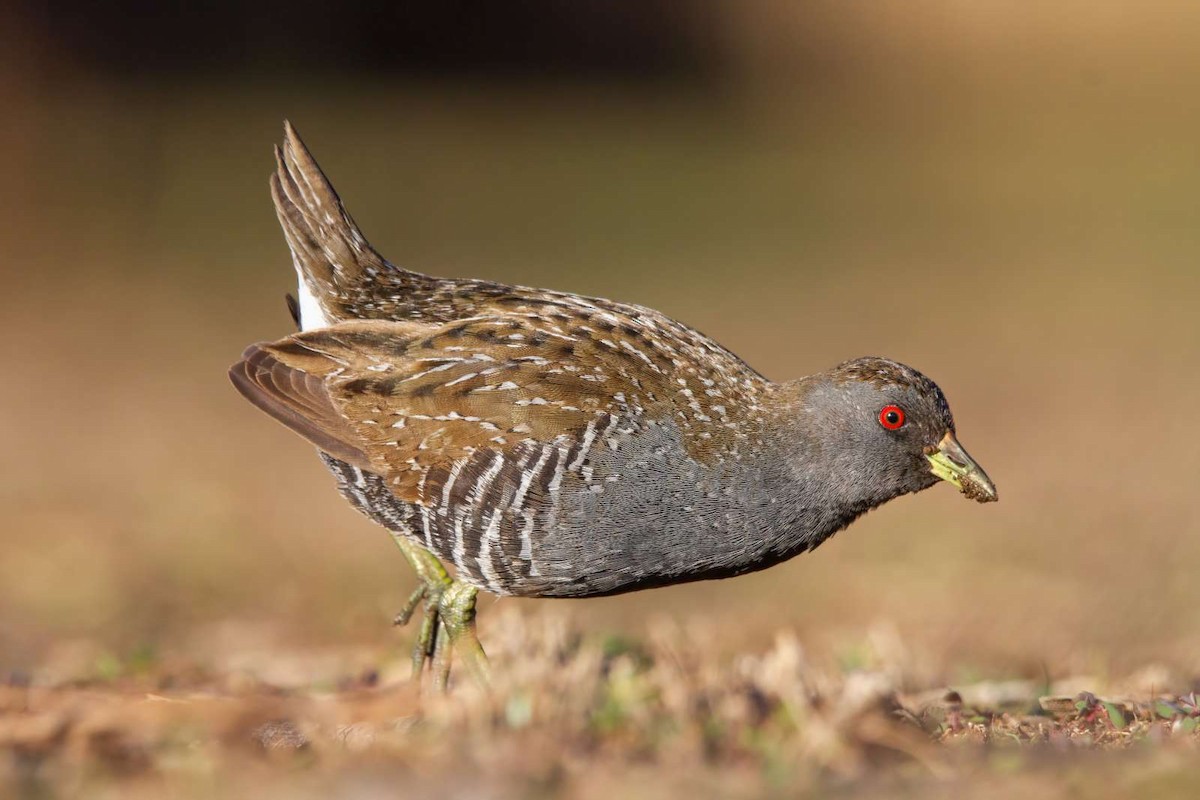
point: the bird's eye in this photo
(892, 417)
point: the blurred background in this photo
(1002, 195)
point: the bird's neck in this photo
(806, 477)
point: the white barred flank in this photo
(458, 555)
(455, 470)
(488, 547)
(476, 491)
(559, 469)
(527, 477)
(589, 436)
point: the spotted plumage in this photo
(548, 444)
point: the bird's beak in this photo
(951, 463)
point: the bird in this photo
(548, 444)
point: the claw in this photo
(447, 623)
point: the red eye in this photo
(892, 418)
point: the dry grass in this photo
(570, 716)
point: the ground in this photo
(575, 715)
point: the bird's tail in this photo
(330, 253)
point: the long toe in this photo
(428, 636)
(414, 600)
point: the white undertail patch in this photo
(311, 313)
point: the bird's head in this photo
(883, 429)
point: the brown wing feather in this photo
(298, 400)
(415, 399)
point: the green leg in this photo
(448, 622)
(458, 619)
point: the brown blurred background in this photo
(1003, 195)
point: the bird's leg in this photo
(448, 621)
(434, 581)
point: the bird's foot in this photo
(447, 622)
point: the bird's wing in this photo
(423, 404)
(298, 399)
